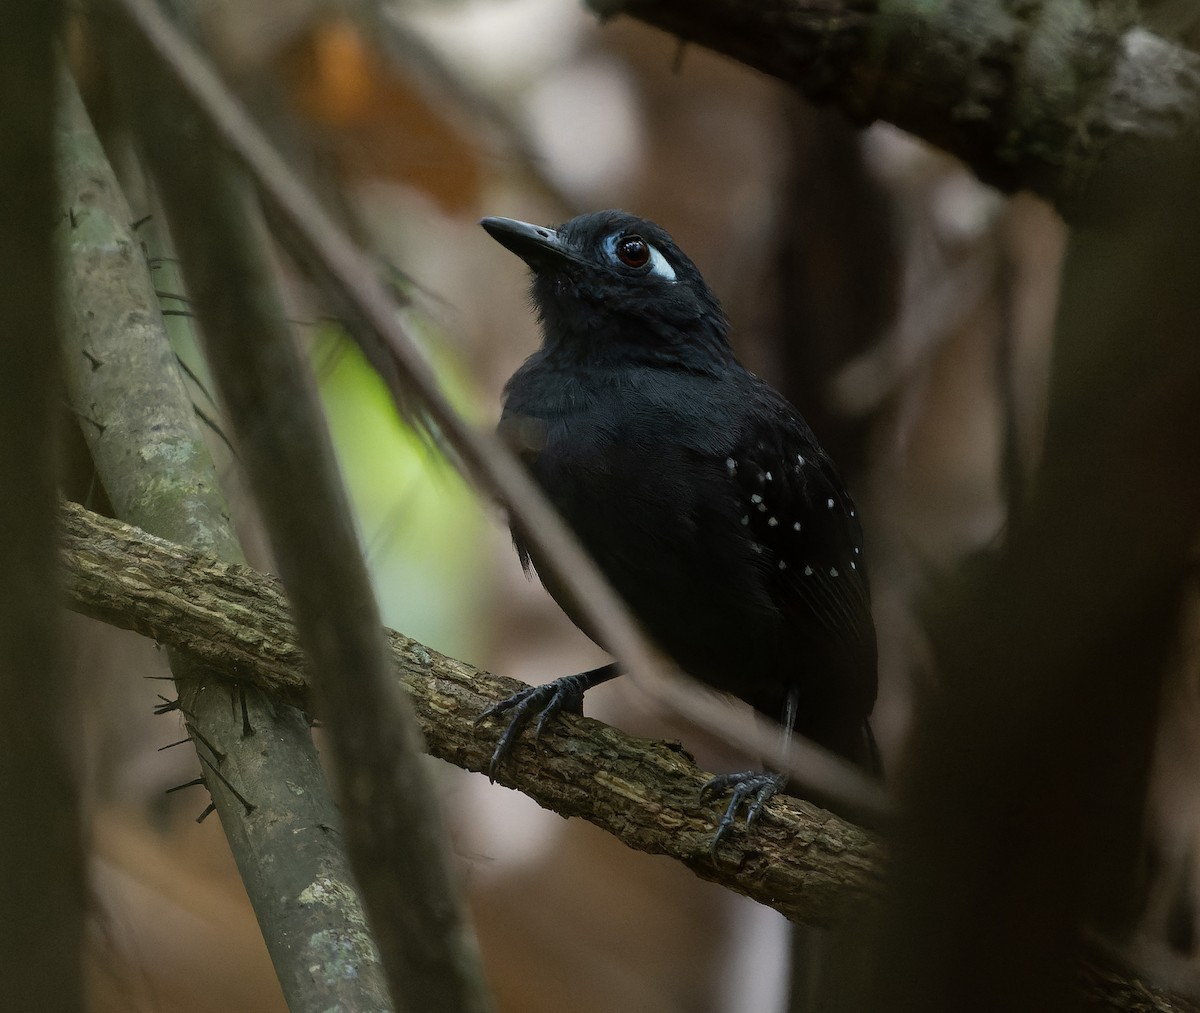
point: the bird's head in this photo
(612, 287)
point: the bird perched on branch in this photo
(699, 490)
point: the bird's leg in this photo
(564, 694)
(756, 785)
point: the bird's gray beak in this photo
(537, 245)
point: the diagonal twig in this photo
(408, 375)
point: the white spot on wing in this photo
(772, 521)
(756, 498)
(829, 503)
(731, 464)
(808, 571)
(833, 571)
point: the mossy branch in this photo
(808, 864)
(1033, 96)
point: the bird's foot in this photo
(565, 694)
(750, 787)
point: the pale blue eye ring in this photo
(656, 264)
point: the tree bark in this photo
(1032, 95)
(394, 831)
(808, 864)
(139, 422)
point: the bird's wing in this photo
(805, 527)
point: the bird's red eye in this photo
(633, 251)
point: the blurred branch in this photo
(1026, 782)
(394, 829)
(405, 370)
(389, 30)
(140, 425)
(42, 892)
(808, 864)
(1031, 96)
(645, 792)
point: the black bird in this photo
(698, 489)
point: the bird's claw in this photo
(565, 694)
(756, 785)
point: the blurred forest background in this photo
(906, 308)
